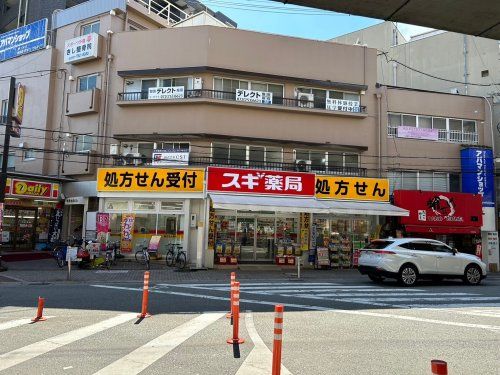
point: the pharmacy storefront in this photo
(139, 203)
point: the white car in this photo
(409, 259)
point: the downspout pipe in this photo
(104, 129)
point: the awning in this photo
(364, 208)
(266, 203)
(441, 230)
(297, 204)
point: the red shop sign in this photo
(438, 209)
(256, 181)
(31, 188)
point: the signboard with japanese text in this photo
(174, 92)
(478, 173)
(170, 157)
(102, 228)
(23, 40)
(81, 48)
(55, 225)
(19, 112)
(352, 188)
(417, 133)
(127, 232)
(252, 96)
(305, 227)
(342, 105)
(233, 180)
(150, 180)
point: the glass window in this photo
(335, 95)
(335, 160)
(144, 224)
(351, 96)
(469, 126)
(274, 155)
(439, 248)
(147, 83)
(83, 143)
(86, 83)
(456, 125)
(425, 181)
(91, 28)
(441, 182)
(167, 82)
(182, 81)
(425, 122)
(409, 120)
(238, 154)
(318, 161)
(218, 84)
(454, 182)
(351, 160)
(256, 156)
(439, 123)
(29, 154)
(146, 151)
(395, 180)
(144, 206)
(257, 86)
(220, 153)
(5, 104)
(277, 90)
(319, 98)
(378, 245)
(112, 205)
(410, 181)
(172, 205)
(394, 120)
(301, 155)
(11, 161)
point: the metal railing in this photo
(231, 96)
(275, 166)
(452, 136)
(164, 9)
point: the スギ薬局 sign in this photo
(352, 188)
(256, 181)
(150, 180)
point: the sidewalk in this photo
(46, 271)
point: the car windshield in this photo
(378, 244)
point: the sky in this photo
(277, 18)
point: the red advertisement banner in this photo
(127, 232)
(433, 208)
(256, 181)
(102, 226)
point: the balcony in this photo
(451, 136)
(317, 105)
(275, 166)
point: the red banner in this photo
(31, 188)
(102, 226)
(439, 209)
(255, 181)
(127, 233)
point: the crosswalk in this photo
(374, 295)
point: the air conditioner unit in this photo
(302, 165)
(133, 159)
(305, 100)
(197, 83)
(114, 149)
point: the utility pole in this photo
(6, 143)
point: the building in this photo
(250, 153)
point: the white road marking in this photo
(36, 349)
(314, 308)
(249, 284)
(395, 294)
(14, 323)
(411, 299)
(487, 313)
(144, 356)
(259, 361)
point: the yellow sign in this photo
(150, 179)
(353, 188)
(21, 94)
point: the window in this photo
(11, 161)
(146, 151)
(91, 28)
(231, 85)
(178, 146)
(177, 81)
(378, 245)
(29, 154)
(449, 129)
(331, 161)
(5, 105)
(438, 248)
(83, 143)
(485, 73)
(423, 180)
(257, 156)
(86, 83)
(112, 205)
(320, 96)
(144, 206)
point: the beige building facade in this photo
(222, 97)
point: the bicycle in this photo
(110, 257)
(176, 256)
(58, 253)
(142, 255)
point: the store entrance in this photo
(256, 236)
(19, 228)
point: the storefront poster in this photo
(478, 174)
(492, 246)
(55, 226)
(440, 209)
(352, 188)
(233, 180)
(154, 243)
(127, 232)
(102, 228)
(305, 227)
(150, 180)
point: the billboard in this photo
(23, 40)
(478, 173)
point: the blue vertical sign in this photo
(478, 174)
(23, 40)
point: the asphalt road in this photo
(341, 327)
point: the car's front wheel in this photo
(408, 275)
(472, 274)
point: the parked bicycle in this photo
(111, 254)
(58, 253)
(175, 256)
(142, 255)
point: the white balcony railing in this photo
(164, 9)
